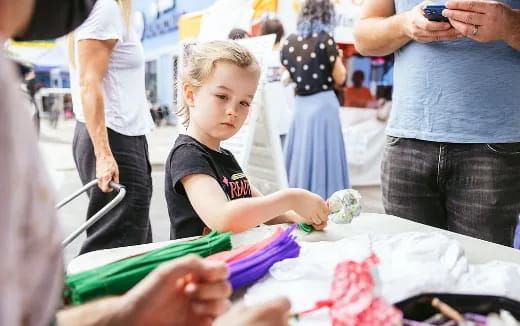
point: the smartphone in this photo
(434, 13)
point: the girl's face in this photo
(220, 106)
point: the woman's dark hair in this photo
(272, 26)
(237, 33)
(316, 16)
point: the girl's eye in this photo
(245, 104)
(222, 97)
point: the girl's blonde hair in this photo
(126, 9)
(201, 63)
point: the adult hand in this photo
(311, 207)
(483, 21)
(420, 29)
(273, 313)
(106, 171)
(186, 291)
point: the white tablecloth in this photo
(477, 251)
(473, 265)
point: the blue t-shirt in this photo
(459, 91)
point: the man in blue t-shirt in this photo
(452, 158)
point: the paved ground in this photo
(56, 148)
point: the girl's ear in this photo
(187, 91)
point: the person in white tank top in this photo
(108, 93)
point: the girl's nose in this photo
(230, 110)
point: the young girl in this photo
(205, 187)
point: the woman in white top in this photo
(108, 92)
(279, 97)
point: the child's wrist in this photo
(293, 217)
(293, 196)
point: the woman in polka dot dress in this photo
(315, 156)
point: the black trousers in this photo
(128, 223)
(472, 189)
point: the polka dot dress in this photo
(310, 62)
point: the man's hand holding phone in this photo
(434, 13)
(420, 29)
(485, 21)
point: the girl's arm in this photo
(255, 192)
(287, 217)
(223, 215)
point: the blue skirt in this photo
(315, 156)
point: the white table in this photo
(477, 251)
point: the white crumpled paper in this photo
(344, 205)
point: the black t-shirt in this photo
(187, 157)
(310, 62)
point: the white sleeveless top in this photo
(126, 108)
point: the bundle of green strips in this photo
(118, 277)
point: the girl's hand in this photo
(311, 207)
(319, 227)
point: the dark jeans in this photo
(128, 223)
(472, 189)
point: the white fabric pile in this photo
(411, 263)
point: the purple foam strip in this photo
(250, 260)
(259, 257)
(450, 323)
(481, 319)
(249, 269)
(256, 272)
(408, 322)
